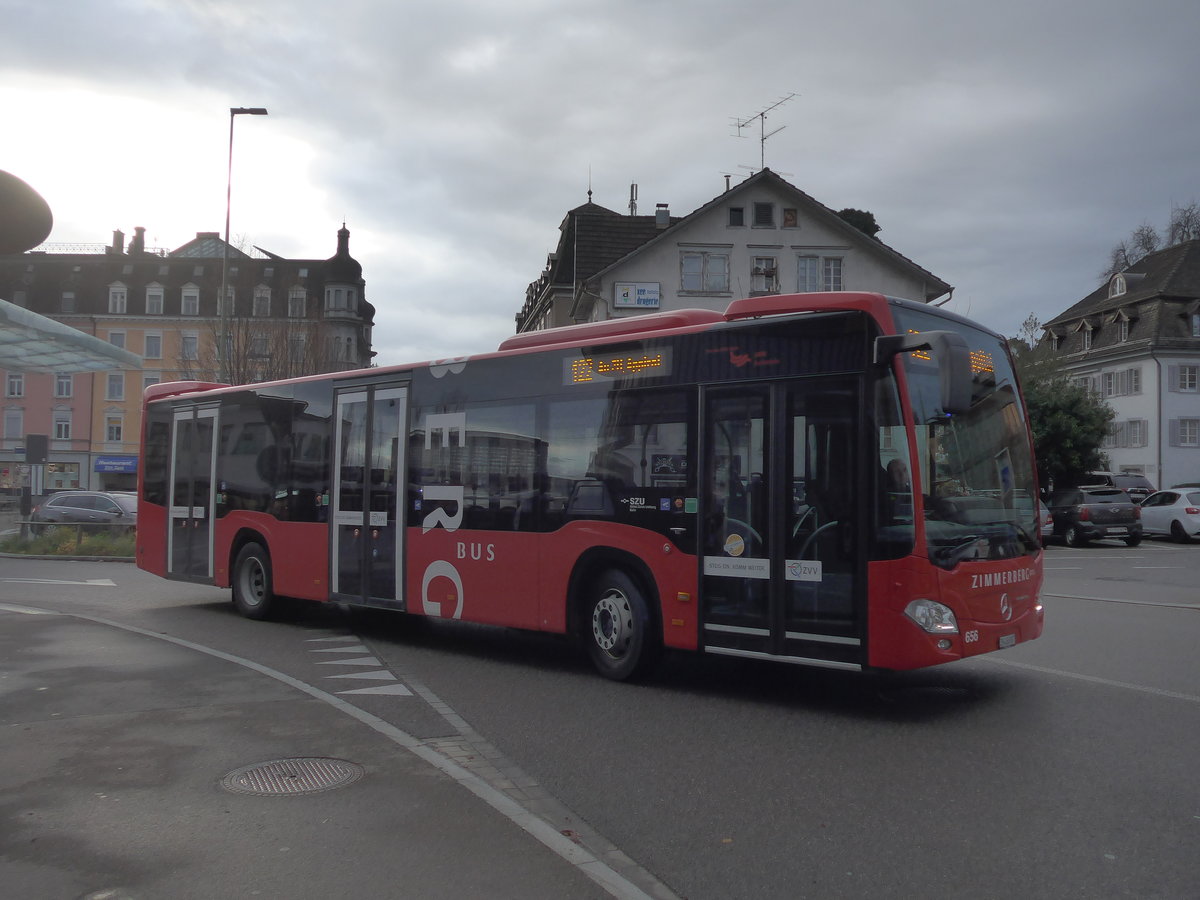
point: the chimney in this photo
(662, 215)
(138, 244)
(118, 244)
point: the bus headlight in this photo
(932, 617)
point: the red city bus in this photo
(841, 480)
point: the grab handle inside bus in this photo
(951, 355)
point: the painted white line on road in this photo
(1157, 567)
(1108, 682)
(1122, 600)
(28, 610)
(361, 661)
(574, 854)
(397, 690)
(91, 582)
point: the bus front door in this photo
(193, 462)
(367, 533)
(782, 574)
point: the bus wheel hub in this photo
(612, 622)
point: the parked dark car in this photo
(1138, 487)
(1085, 514)
(114, 508)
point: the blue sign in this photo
(117, 464)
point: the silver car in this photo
(113, 508)
(1175, 513)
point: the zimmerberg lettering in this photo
(999, 579)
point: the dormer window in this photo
(1122, 329)
(117, 297)
(1086, 328)
(1117, 287)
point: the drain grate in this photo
(285, 777)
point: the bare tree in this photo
(262, 349)
(1185, 224)
(1146, 239)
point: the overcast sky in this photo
(1006, 147)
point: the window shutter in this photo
(1174, 424)
(1173, 382)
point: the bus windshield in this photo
(975, 468)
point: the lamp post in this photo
(222, 299)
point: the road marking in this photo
(397, 690)
(373, 675)
(360, 661)
(1108, 682)
(1120, 600)
(28, 610)
(91, 582)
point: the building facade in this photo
(763, 236)
(281, 318)
(1135, 341)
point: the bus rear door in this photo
(782, 576)
(370, 479)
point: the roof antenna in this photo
(739, 124)
(589, 184)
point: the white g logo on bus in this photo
(441, 569)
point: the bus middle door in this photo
(782, 574)
(193, 469)
(370, 479)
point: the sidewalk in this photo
(121, 776)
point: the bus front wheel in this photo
(619, 629)
(253, 595)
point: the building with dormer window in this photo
(277, 321)
(1135, 341)
(762, 236)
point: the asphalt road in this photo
(1064, 767)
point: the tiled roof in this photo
(1173, 272)
(594, 237)
(1160, 290)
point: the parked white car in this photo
(1175, 513)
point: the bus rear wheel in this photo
(619, 628)
(253, 595)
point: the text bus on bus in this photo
(841, 480)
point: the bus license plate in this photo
(1007, 640)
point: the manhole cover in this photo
(282, 777)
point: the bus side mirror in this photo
(951, 355)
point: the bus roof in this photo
(608, 331)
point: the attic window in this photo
(764, 215)
(737, 216)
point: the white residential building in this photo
(1135, 341)
(763, 236)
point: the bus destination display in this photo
(598, 368)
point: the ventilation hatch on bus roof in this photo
(593, 332)
(780, 304)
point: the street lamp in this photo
(222, 299)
